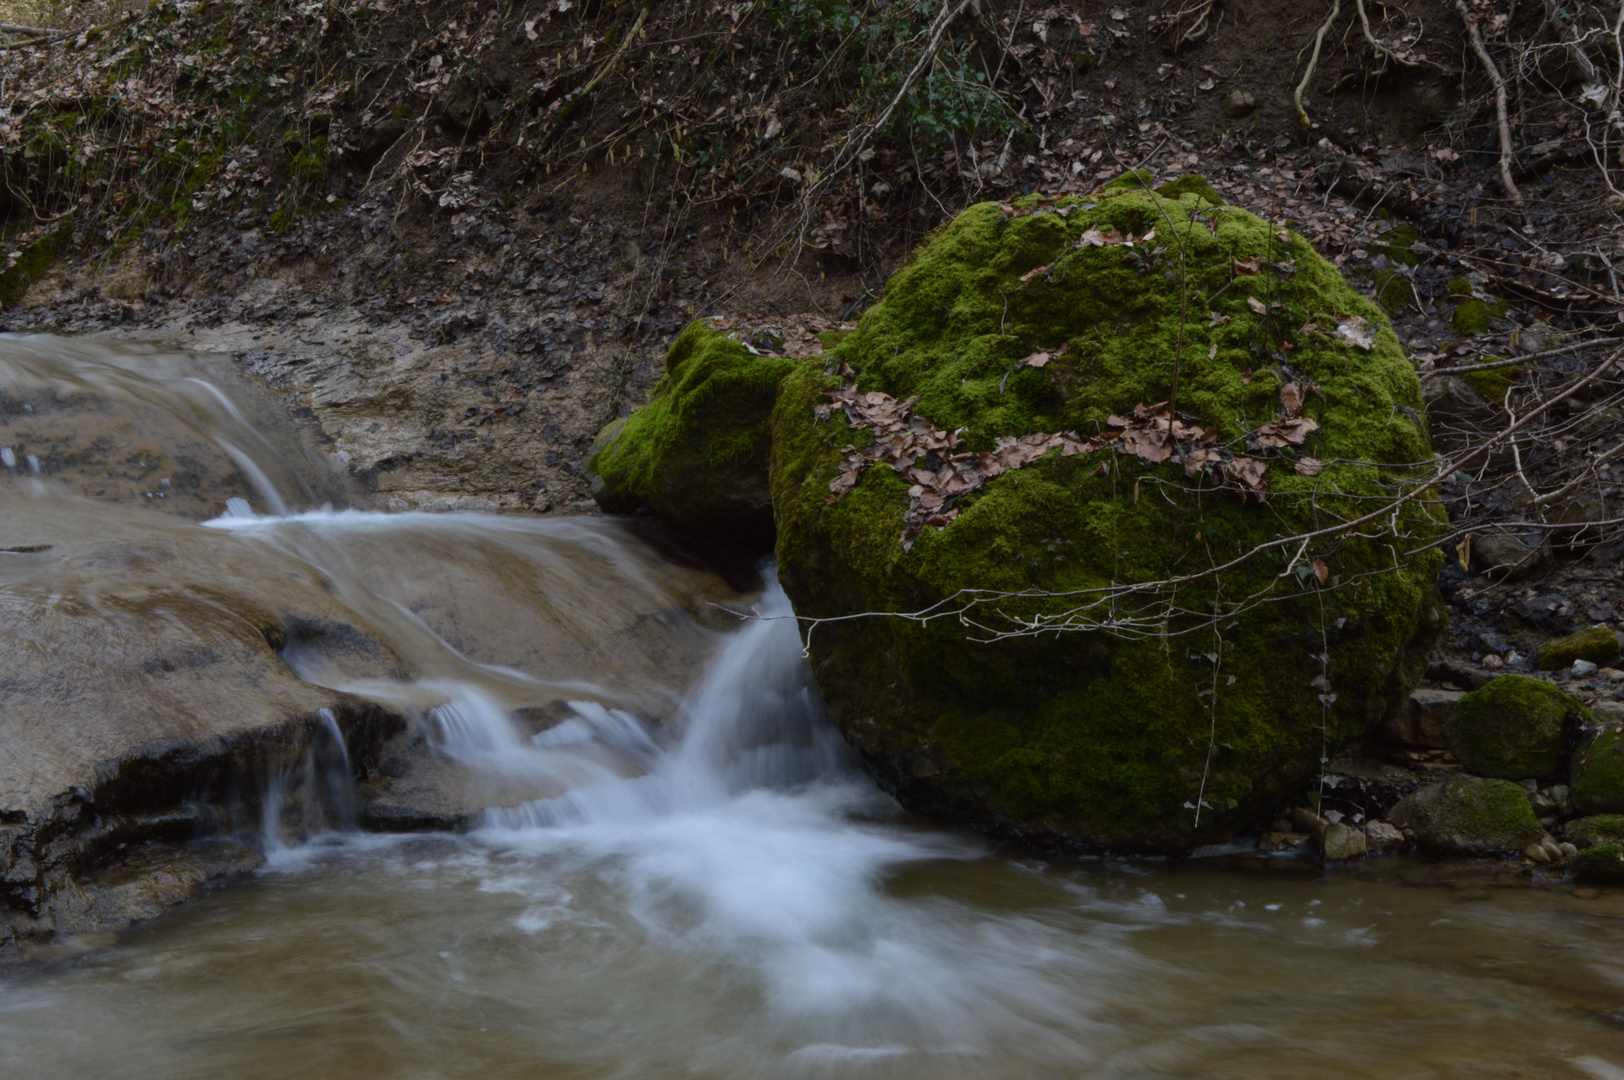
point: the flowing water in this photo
(699, 883)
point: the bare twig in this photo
(1499, 99)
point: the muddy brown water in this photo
(697, 881)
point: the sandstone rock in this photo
(1504, 557)
(1382, 837)
(1466, 815)
(1515, 728)
(1424, 719)
(1342, 842)
(1239, 103)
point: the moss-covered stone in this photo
(1492, 384)
(1474, 316)
(1596, 773)
(1101, 738)
(1468, 815)
(697, 453)
(1594, 831)
(1515, 728)
(1602, 865)
(1598, 644)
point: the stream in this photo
(681, 871)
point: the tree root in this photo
(1313, 62)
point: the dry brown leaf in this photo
(1287, 431)
(1258, 306)
(1309, 466)
(1356, 331)
(1034, 272)
(1246, 268)
(1321, 571)
(1291, 396)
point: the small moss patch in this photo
(32, 263)
(1598, 644)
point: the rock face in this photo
(1424, 720)
(143, 699)
(1467, 815)
(1021, 322)
(697, 453)
(1597, 771)
(1598, 645)
(1515, 728)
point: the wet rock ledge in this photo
(144, 713)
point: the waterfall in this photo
(753, 721)
(314, 797)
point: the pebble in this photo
(1583, 669)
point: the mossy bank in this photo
(1167, 716)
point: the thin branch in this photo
(1499, 100)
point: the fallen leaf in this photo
(1257, 305)
(1034, 272)
(1309, 466)
(1321, 571)
(1289, 431)
(1356, 331)
(1217, 319)
(1246, 268)
(1291, 396)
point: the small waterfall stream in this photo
(673, 867)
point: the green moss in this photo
(1492, 385)
(1190, 184)
(1460, 287)
(1594, 831)
(1091, 737)
(1598, 644)
(1133, 179)
(1476, 316)
(697, 453)
(1514, 728)
(1596, 773)
(1603, 865)
(1399, 245)
(33, 261)
(1467, 815)
(1393, 291)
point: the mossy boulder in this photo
(1170, 716)
(697, 453)
(1596, 773)
(1515, 728)
(1594, 831)
(1598, 644)
(1468, 815)
(1601, 865)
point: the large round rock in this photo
(1066, 697)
